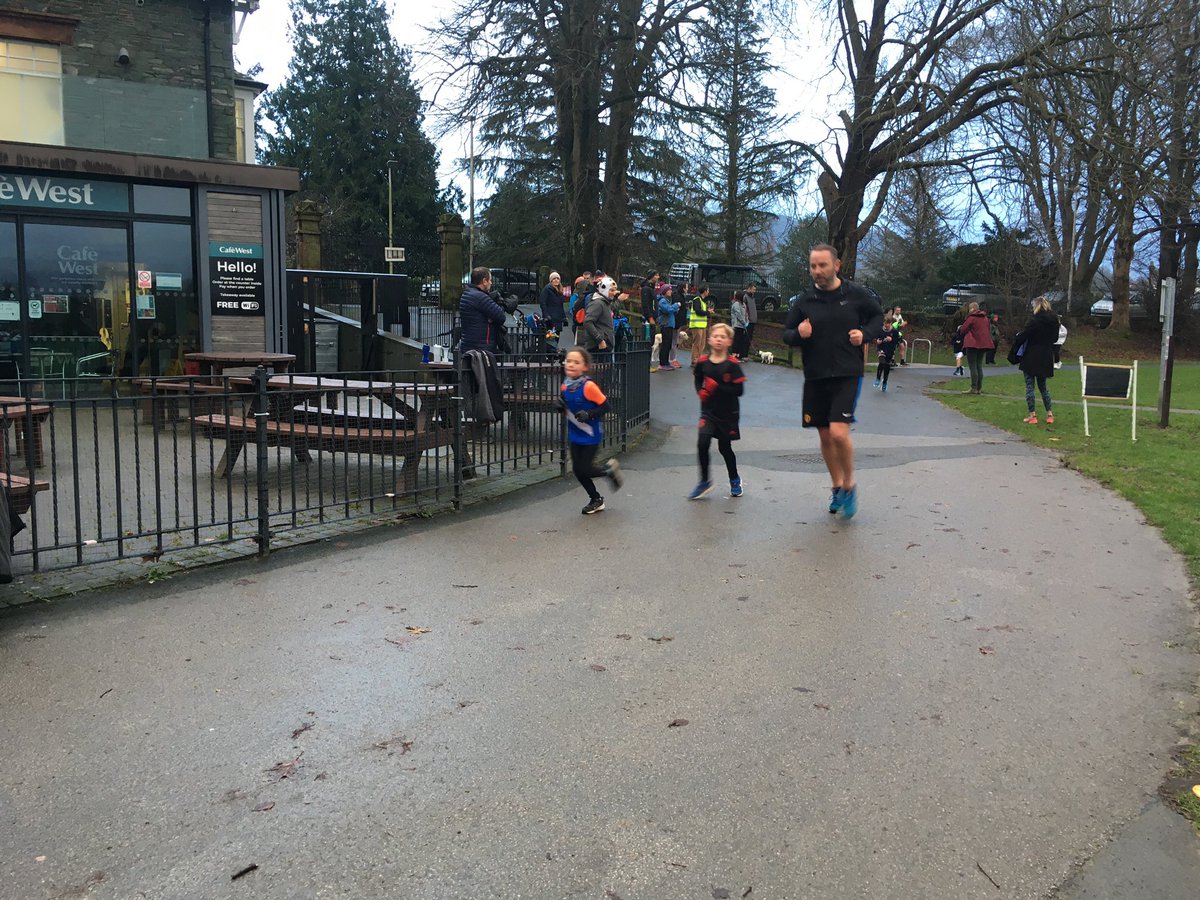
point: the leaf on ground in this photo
(342, 622)
(662, 640)
(392, 743)
(287, 768)
(824, 706)
(416, 629)
(476, 622)
(624, 637)
(598, 668)
(265, 807)
(677, 723)
(987, 649)
(804, 690)
(304, 726)
(321, 776)
(910, 546)
(464, 585)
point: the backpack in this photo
(580, 309)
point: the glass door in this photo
(10, 312)
(77, 299)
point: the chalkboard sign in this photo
(1107, 381)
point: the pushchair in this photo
(622, 333)
(542, 336)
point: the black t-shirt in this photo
(723, 404)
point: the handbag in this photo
(1016, 352)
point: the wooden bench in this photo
(165, 397)
(20, 413)
(21, 491)
(301, 436)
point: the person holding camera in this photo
(481, 313)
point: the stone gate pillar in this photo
(450, 234)
(308, 234)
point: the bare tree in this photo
(918, 72)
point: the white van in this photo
(961, 294)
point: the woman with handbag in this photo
(1034, 345)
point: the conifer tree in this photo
(347, 107)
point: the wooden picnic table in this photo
(27, 418)
(314, 413)
(214, 362)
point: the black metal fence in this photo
(157, 465)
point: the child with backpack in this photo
(719, 383)
(583, 403)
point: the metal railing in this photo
(145, 467)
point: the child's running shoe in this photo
(614, 474)
(1030, 419)
(735, 487)
(700, 490)
(835, 500)
(883, 387)
(594, 506)
(876, 382)
(676, 364)
(1049, 418)
(849, 503)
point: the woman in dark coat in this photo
(1037, 362)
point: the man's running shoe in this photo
(835, 500)
(735, 487)
(883, 388)
(700, 490)
(849, 503)
(614, 474)
(594, 506)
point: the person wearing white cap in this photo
(551, 302)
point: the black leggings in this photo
(882, 372)
(664, 350)
(725, 446)
(583, 464)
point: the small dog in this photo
(766, 357)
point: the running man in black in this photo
(830, 325)
(719, 383)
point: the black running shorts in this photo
(830, 400)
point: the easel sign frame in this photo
(1109, 382)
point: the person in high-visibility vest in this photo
(700, 311)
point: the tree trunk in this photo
(842, 208)
(1123, 248)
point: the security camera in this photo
(123, 57)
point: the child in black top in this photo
(887, 343)
(719, 382)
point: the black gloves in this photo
(559, 404)
(584, 415)
(509, 304)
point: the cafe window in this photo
(155, 200)
(31, 107)
(10, 310)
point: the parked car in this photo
(724, 279)
(520, 283)
(1103, 308)
(984, 294)
(431, 291)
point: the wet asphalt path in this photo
(964, 692)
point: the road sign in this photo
(393, 254)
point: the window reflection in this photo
(166, 316)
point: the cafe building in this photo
(131, 231)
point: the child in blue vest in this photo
(584, 404)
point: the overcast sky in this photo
(265, 40)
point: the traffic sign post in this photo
(393, 254)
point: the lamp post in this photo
(390, 163)
(471, 178)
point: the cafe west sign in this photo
(64, 194)
(237, 279)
